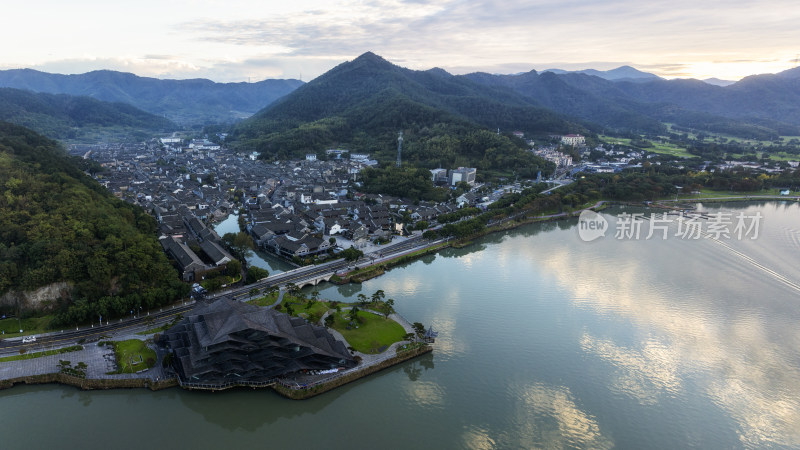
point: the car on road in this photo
(28, 339)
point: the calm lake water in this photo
(545, 341)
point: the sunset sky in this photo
(237, 40)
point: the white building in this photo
(466, 174)
(573, 139)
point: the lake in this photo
(544, 341)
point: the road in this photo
(297, 276)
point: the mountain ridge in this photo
(188, 102)
(62, 116)
(363, 103)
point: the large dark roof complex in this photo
(228, 341)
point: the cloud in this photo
(738, 39)
(503, 36)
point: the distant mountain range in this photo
(187, 102)
(760, 106)
(358, 101)
(623, 73)
(363, 104)
(61, 116)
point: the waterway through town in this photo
(545, 340)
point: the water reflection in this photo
(216, 408)
(414, 368)
(729, 332)
(644, 374)
(548, 416)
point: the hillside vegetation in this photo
(186, 102)
(69, 117)
(361, 105)
(59, 225)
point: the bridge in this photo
(301, 277)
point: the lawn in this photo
(372, 333)
(31, 325)
(267, 300)
(658, 147)
(299, 308)
(133, 355)
(710, 193)
(670, 149)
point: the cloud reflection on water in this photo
(726, 328)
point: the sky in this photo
(241, 40)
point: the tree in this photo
(389, 307)
(241, 244)
(292, 289)
(419, 328)
(362, 300)
(255, 273)
(332, 241)
(233, 268)
(352, 254)
(378, 296)
(353, 314)
(409, 337)
(329, 319)
(430, 235)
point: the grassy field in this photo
(133, 355)
(74, 348)
(672, 149)
(32, 325)
(658, 147)
(710, 193)
(267, 300)
(372, 333)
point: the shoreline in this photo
(370, 272)
(283, 389)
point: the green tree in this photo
(240, 244)
(353, 314)
(389, 307)
(352, 254)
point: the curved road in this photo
(297, 276)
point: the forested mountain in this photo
(67, 117)
(762, 106)
(363, 104)
(623, 73)
(187, 102)
(59, 225)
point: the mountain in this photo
(69, 117)
(718, 82)
(762, 106)
(187, 102)
(622, 73)
(362, 104)
(61, 230)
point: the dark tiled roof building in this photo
(228, 341)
